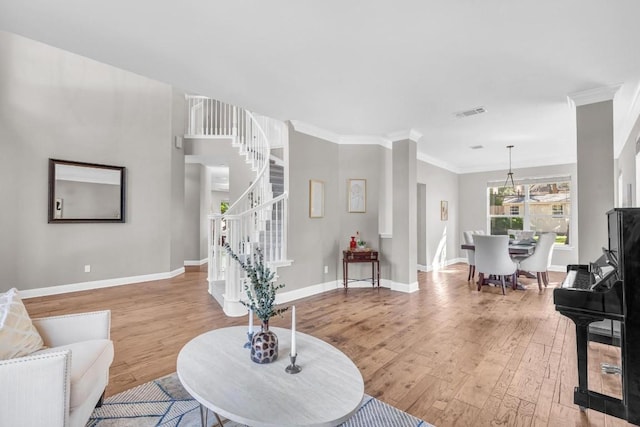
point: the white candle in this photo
(293, 331)
(250, 321)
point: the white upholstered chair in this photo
(540, 260)
(492, 258)
(61, 384)
(467, 237)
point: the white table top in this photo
(218, 372)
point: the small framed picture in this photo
(357, 195)
(316, 198)
(444, 210)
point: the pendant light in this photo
(510, 173)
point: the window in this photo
(538, 205)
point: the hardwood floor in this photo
(447, 354)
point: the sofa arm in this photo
(35, 390)
(70, 328)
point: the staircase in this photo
(258, 218)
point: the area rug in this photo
(163, 402)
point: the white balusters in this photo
(255, 218)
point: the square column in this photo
(405, 232)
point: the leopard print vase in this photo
(264, 345)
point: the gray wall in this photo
(176, 209)
(596, 192)
(404, 241)
(313, 242)
(59, 105)
(473, 206)
(192, 181)
(421, 192)
(442, 237)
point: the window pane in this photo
(552, 198)
(500, 225)
(546, 224)
(504, 201)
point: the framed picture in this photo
(316, 198)
(357, 195)
(444, 210)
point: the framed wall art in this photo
(316, 198)
(357, 195)
(444, 210)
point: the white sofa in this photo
(61, 384)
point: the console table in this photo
(217, 371)
(350, 256)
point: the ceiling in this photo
(375, 68)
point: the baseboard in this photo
(196, 263)
(427, 268)
(312, 290)
(97, 284)
(284, 297)
(559, 268)
(400, 287)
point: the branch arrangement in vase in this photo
(261, 293)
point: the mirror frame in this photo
(52, 191)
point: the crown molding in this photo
(312, 130)
(591, 96)
(549, 161)
(411, 134)
(384, 141)
(365, 140)
(439, 163)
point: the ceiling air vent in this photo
(472, 112)
(476, 147)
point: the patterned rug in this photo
(163, 402)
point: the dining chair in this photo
(540, 260)
(492, 258)
(467, 237)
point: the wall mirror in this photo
(85, 192)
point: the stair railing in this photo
(255, 218)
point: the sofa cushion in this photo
(90, 361)
(18, 336)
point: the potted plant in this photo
(261, 295)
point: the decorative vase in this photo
(353, 243)
(264, 345)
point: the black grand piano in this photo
(608, 290)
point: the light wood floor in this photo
(446, 354)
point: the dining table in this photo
(519, 250)
(515, 249)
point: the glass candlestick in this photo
(293, 368)
(249, 338)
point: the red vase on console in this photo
(352, 243)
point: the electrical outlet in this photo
(326, 269)
(87, 268)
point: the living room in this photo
(63, 105)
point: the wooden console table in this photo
(361, 256)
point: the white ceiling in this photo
(376, 67)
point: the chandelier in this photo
(510, 173)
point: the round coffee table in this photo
(218, 372)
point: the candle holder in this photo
(293, 368)
(249, 338)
